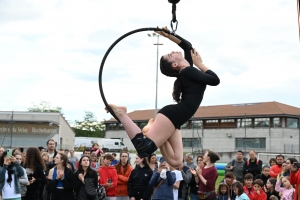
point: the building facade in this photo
(270, 127)
(33, 129)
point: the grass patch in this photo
(219, 179)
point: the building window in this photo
(211, 121)
(111, 126)
(191, 142)
(227, 120)
(185, 125)
(276, 122)
(197, 124)
(244, 122)
(292, 123)
(250, 143)
(121, 127)
(142, 124)
(262, 122)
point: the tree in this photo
(45, 106)
(89, 127)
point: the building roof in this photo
(228, 111)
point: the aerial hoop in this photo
(106, 54)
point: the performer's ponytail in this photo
(177, 91)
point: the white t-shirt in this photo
(51, 156)
(178, 178)
(9, 191)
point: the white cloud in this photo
(52, 51)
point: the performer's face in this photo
(174, 57)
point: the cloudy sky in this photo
(52, 50)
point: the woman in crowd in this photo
(35, 169)
(124, 169)
(207, 176)
(286, 166)
(229, 179)
(23, 179)
(138, 183)
(10, 173)
(95, 161)
(59, 182)
(152, 162)
(163, 180)
(81, 176)
(194, 181)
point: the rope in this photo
(104, 59)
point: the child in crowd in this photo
(248, 187)
(287, 191)
(265, 174)
(223, 192)
(96, 149)
(259, 193)
(229, 179)
(239, 191)
(270, 188)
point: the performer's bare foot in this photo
(118, 110)
(148, 126)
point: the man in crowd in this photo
(276, 169)
(252, 165)
(189, 161)
(52, 152)
(86, 152)
(236, 166)
(72, 158)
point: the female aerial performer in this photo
(188, 90)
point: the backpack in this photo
(101, 193)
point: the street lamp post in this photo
(156, 85)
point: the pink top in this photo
(287, 194)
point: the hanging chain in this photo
(174, 20)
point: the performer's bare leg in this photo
(172, 149)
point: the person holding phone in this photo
(294, 175)
(109, 177)
(10, 173)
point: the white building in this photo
(33, 129)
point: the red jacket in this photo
(261, 196)
(122, 189)
(249, 194)
(295, 180)
(275, 170)
(108, 173)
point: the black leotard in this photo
(193, 84)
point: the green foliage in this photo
(89, 127)
(44, 106)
